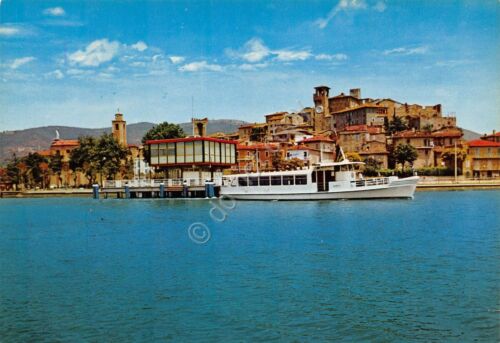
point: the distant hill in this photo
(22, 142)
(470, 135)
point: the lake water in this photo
(79, 269)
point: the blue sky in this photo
(75, 62)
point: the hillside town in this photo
(389, 136)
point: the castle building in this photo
(368, 141)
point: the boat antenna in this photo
(342, 153)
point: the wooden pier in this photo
(170, 188)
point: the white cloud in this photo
(9, 31)
(58, 74)
(54, 11)
(200, 66)
(96, 53)
(334, 57)
(139, 46)
(290, 55)
(75, 71)
(18, 62)
(176, 59)
(255, 50)
(419, 50)
(342, 5)
(249, 67)
(138, 64)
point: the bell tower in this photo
(119, 128)
(321, 108)
(199, 127)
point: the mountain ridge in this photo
(22, 142)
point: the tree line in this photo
(102, 156)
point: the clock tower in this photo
(321, 108)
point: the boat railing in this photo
(371, 182)
(178, 182)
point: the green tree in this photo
(33, 173)
(13, 172)
(395, 125)
(163, 130)
(56, 167)
(405, 153)
(103, 156)
(448, 156)
(353, 156)
(372, 166)
(83, 158)
(110, 155)
(427, 127)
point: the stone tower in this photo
(119, 129)
(199, 127)
(321, 108)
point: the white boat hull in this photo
(400, 188)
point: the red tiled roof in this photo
(356, 128)
(412, 134)
(64, 142)
(300, 147)
(448, 133)
(482, 143)
(260, 146)
(44, 152)
(317, 139)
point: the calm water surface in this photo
(126, 270)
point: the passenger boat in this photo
(323, 181)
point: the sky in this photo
(76, 63)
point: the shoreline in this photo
(421, 187)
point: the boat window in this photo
(264, 180)
(301, 179)
(314, 176)
(253, 181)
(276, 180)
(243, 181)
(287, 180)
(329, 176)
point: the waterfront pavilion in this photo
(192, 159)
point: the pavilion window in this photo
(233, 153)
(162, 153)
(217, 152)
(180, 152)
(154, 153)
(228, 152)
(206, 145)
(171, 153)
(223, 152)
(198, 151)
(212, 152)
(188, 146)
